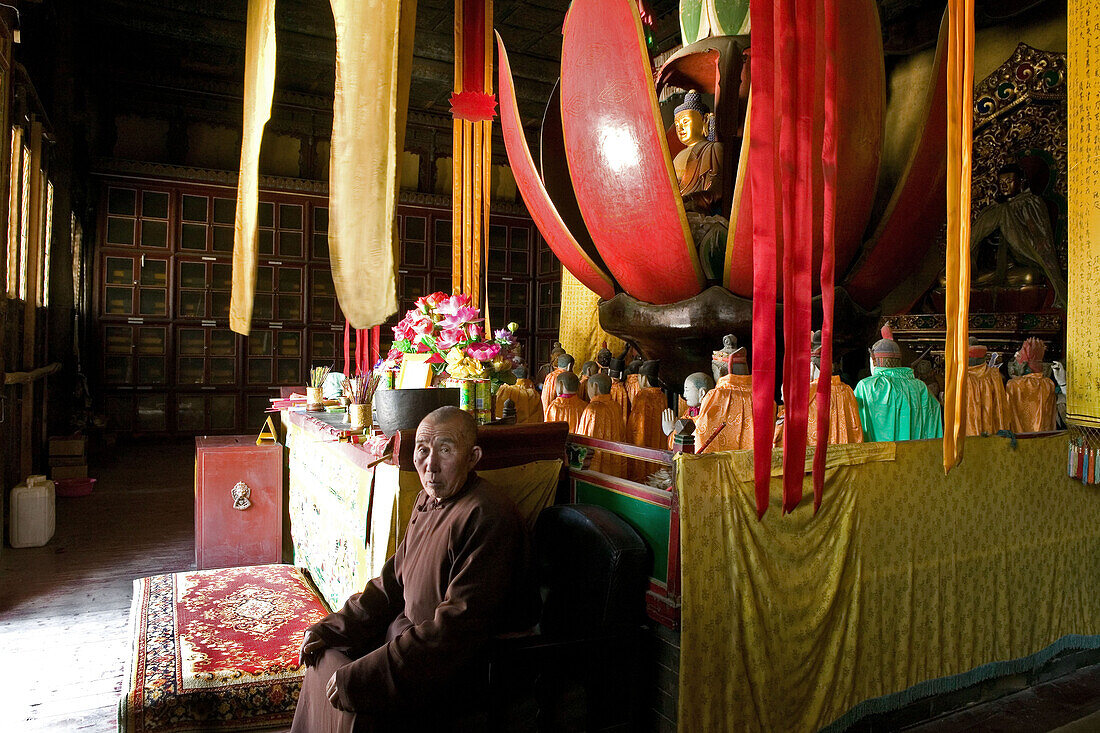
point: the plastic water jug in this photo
(32, 512)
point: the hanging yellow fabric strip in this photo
(960, 86)
(374, 41)
(259, 88)
(1083, 313)
(457, 164)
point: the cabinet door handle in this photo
(240, 493)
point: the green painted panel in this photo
(733, 17)
(691, 14)
(648, 520)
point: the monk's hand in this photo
(334, 694)
(668, 417)
(312, 647)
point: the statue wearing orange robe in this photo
(844, 424)
(633, 384)
(526, 398)
(566, 408)
(1032, 402)
(644, 429)
(619, 395)
(731, 402)
(602, 420)
(986, 401)
(564, 364)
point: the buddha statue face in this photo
(689, 126)
(1008, 184)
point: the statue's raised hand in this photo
(668, 417)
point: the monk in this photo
(644, 425)
(564, 364)
(524, 395)
(602, 419)
(986, 400)
(725, 415)
(893, 403)
(616, 370)
(587, 370)
(844, 424)
(632, 380)
(696, 387)
(416, 633)
(567, 407)
(1031, 397)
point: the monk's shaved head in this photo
(462, 420)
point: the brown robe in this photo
(458, 578)
(1031, 403)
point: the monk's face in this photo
(444, 455)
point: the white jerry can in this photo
(32, 512)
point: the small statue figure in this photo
(698, 170)
(924, 370)
(632, 379)
(893, 403)
(602, 419)
(719, 360)
(986, 400)
(587, 370)
(643, 427)
(844, 424)
(617, 370)
(567, 407)
(603, 358)
(1031, 396)
(696, 387)
(725, 420)
(528, 404)
(1058, 372)
(1018, 224)
(564, 364)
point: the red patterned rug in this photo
(217, 649)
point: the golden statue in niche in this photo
(698, 169)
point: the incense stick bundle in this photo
(360, 388)
(317, 375)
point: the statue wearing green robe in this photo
(895, 405)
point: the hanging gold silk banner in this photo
(374, 40)
(580, 333)
(1082, 335)
(960, 86)
(259, 87)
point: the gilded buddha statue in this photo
(698, 169)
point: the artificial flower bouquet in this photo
(449, 328)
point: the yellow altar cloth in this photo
(903, 576)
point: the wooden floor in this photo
(64, 607)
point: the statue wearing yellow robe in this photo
(844, 424)
(526, 398)
(566, 408)
(602, 419)
(549, 388)
(618, 393)
(986, 401)
(643, 428)
(1031, 403)
(730, 402)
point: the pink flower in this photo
(450, 306)
(449, 337)
(461, 316)
(403, 330)
(422, 324)
(483, 352)
(475, 331)
(436, 298)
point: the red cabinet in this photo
(238, 501)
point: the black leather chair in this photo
(581, 670)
